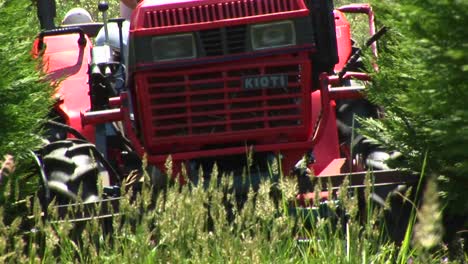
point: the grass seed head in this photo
(428, 230)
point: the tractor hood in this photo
(157, 17)
(166, 2)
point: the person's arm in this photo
(130, 3)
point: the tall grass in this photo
(194, 224)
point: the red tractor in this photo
(205, 82)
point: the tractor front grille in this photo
(224, 41)
(205, 13)
(211, 104)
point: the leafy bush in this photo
(25, 97)
(422, 87)
(25, 102)
(63, 6)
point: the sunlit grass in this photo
(196, 224)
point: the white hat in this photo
(77, 16)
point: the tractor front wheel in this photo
(72, 170)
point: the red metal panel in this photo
(174, 16)
(233, 10)
(287, 5)
(148, 19)
(343, 38)
(167, 17)
(200, 14)
(63, 59)
(280, 5)
(189, 16)
(333, 168)
(161, 18)
(269, 6)
(209, 105)
(246, 6)
(252, 8)
(211, 11)
(260, 7)
(227, 11)
(181, 15)
(220, 12)
(325, 140)
(188, 155)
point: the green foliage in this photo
(24, 96)
(63, 6)
(422, 86)
(25, 100)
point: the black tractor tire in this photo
(371, 155)
(72, 170)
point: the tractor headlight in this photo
(173, 47)
(273, 35)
